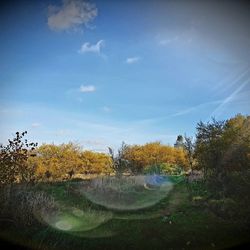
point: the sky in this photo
(102, 72)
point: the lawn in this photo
(129, 214)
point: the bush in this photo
(164, 168)
(198, 189)
(14, 160)
(225, 208)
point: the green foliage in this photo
(209, 146)
(177, 179)
(223, 147)
(164, 168)
(189, 147)
(223, 152)
(225, 208)
(14, 160)
(236, 139)
(198, 189)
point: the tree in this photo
(223, 147)
(223, 151)
(209, 147)
(95, 163)
(119, 163)
(236, 138)
(57, 159)
(189, 147)
(153, 154)
(14, 160)
(179, 142)
(65, 160)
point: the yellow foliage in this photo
(154, 153)
(59, 160)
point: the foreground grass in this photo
(173, 223)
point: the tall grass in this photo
(21, 204)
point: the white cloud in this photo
(63, 132)
(168, 40)
(131, 60)
(71, 15)
(93, 142)
(35, 125)
(179, 37)
(87, 88)
(95, 48)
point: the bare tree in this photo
(189, 147)
(119, 163)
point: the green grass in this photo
(175, 222)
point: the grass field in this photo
(173, 221)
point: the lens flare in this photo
(127, 193)
(76, 220)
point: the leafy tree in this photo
(58, 160)
(61, 160)
(223, 147)
(95, 163)
(209, 146)
(14, 160)
(152, 154)
(236, 138)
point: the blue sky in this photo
(102, 72)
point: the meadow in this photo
(65, 215)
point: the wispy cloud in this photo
(63, 132)
(219, 110)
(35, 125)
(131, 60)
(182, 112)
(72, 14)
(94, 48)
(194, 108)
(106, 109)
(168, 40)
(177, 36)
(87, 88)
(97, 145)
(11, 111)
(230, 80)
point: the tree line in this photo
(218, 149)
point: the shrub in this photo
(14, 160)
(163, 168)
